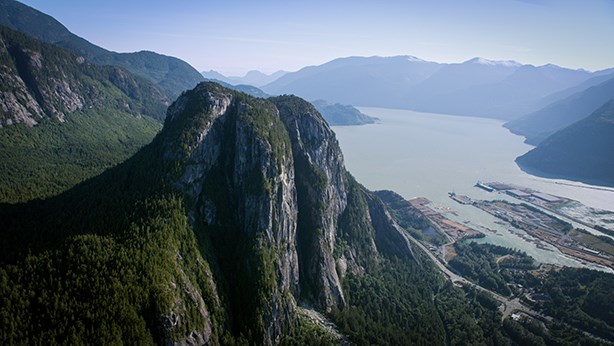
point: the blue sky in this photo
(236, 36)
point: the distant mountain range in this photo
(477, 87)
(582, 151)
(173, 75)
(255, 78)
(539, 125)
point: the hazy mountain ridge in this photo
(338, 114)
(171, 74)
(539, 125)
(85, 117)
(477, 87)
(253, 77)
(581, 151)
(383, 82)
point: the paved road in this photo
(509, 305)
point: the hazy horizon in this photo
(234, 38)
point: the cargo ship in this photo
(484, 186)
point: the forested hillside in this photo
(64, 119)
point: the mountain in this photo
(334, 114)
(338, 114)
(216, 76)
(539, 125)
(258, 78)
(248, 89)
(512, 96)
(63, 119)
(236, 222)
(383, 81)
(254, 77)
(598, 78)
(171, 74)
(581, 151)
(477, 87)
(450, 90)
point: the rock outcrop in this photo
(271, 173)
(41, 81)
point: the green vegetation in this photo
(354, 228)
(470, 317)
(400, 302)
(42, 161)
(581, 151)
(410, 218)
(576, 298)
(107, 261)
(118, 113)
(528, 331)
(308, 333)
(110, 287)
(58, 80)
(383, 308)
(128, 257)
(338, 114)
(582, 298)
(488, 265)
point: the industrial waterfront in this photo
(430, 155)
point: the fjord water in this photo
(428, 155)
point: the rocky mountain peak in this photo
(268, 175)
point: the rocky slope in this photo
(42, 81)
(63, 119)
(169, 73)
(581, 151)
(241, 207)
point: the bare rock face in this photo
(265, 182)
(17, 105)
(244, 139)
(39, 81)
(322, 197)
(33, 92)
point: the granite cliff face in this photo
(271, 173)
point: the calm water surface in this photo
(424, 154)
